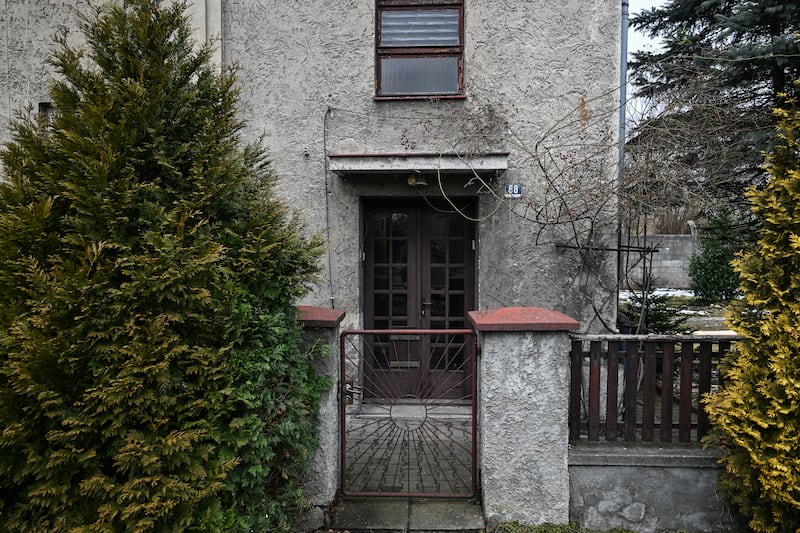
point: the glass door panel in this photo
(418, 274)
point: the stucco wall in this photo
(541, 84)
(26, 43)
(537, 74)
(523, 425)
(646, 488)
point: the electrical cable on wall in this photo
(327, 202)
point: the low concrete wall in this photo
(647, 488)
(529, 471)
(321, 325)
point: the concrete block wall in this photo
(670, 265)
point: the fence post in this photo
(322, 325)
(523, 405)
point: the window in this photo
(419, 48)
(47, 114)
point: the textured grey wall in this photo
(322, 484)
(538, 75)
(647, 488)
(27, 30)
(541, 84)
(670, 265)
(524, 384)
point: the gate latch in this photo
(351, 391)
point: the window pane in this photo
(438, 304)
(381, 302)
(381, 278)
(400, 278)
(381, 355)
(381, 251)
(399, 305)
(438, 279)
(439, 225)
(439, 251)
(457, 228)
(400, 251)
(457, 278)
(438, 361)
(456, 251)
(419, 27)
(457, 305)
(456, 358)
(399, 224)
(419, 75)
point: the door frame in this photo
(467, 205)
(421, 297)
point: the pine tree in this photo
(758, 412)
(650, 312)
(724, 66)
(151, 371)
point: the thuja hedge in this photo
(152, 376)
(758, 412)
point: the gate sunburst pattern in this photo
(408, 412)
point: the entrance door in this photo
(419, 274)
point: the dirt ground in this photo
(711, 318)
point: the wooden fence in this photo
(644, 388)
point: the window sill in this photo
(421, 97)
(375, 164)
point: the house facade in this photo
(454, 154)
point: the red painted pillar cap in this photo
(522, 319)
(319, 317)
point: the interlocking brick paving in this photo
(409, 449)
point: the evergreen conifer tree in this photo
(151, 371)
(713, 279)
(723, 67)
(758, 411)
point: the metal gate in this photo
(407, 408)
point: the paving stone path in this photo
(409, 449)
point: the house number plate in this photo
(513, 190)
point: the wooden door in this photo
(418, 274)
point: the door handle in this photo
(423, 308)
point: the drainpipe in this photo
(623, 98)
(205, 17)
(214, 29)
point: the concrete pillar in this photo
(322, 325)
(523, 406)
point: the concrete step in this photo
(390, 514)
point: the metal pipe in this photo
(623, 101)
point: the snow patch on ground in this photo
(685, 293)
(707, 321)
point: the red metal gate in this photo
(407, 408)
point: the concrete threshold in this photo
(385, 514)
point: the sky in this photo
(637, 41)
